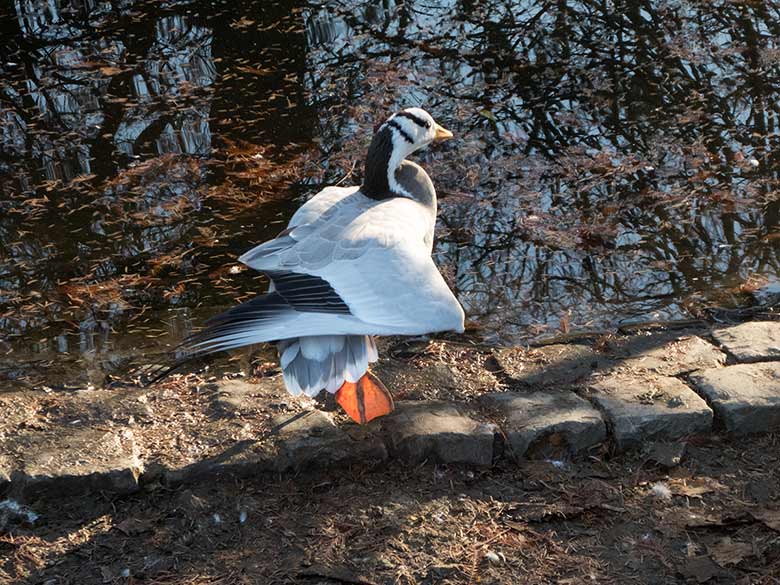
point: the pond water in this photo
(614, 161)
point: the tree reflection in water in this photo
(614, 160)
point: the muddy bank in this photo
(456, 404)
(612, 459)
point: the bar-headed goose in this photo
(353, 263)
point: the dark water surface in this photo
(614, 161)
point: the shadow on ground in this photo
(596, 518)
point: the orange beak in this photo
(442, 133)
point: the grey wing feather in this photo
(322, 241)
(286, 240)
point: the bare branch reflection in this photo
(614, 161)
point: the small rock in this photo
(492, 557)
(746, 397)
(667, 454)
(646, 407)
(769, 516)
(154, 565)
(754, 341)
(132, 526)
(695, 487)
(532, 416)
(83, 444)
(438, 431)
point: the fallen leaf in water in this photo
(82, 179)
(243, 22)
(728, 552)
(754, 283)
(254, 70)
(110, 70)
(565, 323)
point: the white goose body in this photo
(354, 262)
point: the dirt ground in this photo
(601, 518)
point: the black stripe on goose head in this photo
(375, 181)
(403, 133)
(417, 120)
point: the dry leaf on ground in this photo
(695, 487)
(769, 517)
(728, 552)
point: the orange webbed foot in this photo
(365, 399)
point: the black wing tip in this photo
(306, 293)
(149, 374)
(215, 337)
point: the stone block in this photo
(649, 407)
(438, 431)
(530, 417)
(314, 441)
(667, 354)
(745, 397)
(305, 440)
(754, 341)
(73, 461)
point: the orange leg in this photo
(366, 399)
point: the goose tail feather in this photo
(324, 362)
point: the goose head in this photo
(402, 134)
